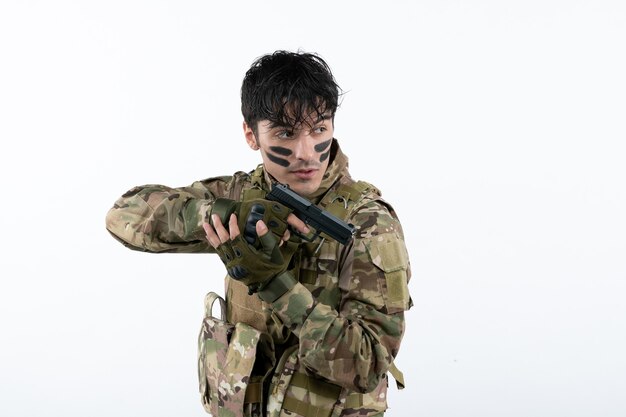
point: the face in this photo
(296, 157)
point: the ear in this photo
(250, 137)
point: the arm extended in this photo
(157, 218)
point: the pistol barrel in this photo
(320, 220)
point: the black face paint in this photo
(287, 152)
(277, 160)
(321, 146)
(280, 150)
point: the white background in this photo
(496, 129)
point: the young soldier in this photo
(332, 314)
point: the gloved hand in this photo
(256, 256)
(273, 214)
(256, 266)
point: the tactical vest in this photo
(316, 266)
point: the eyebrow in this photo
(320, 118)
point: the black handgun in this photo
(318, 219)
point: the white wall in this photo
(496, 128)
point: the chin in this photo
(304, 189)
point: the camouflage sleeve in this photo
(355, 346)
(157, 218)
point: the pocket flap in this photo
(387, 252)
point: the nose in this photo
(304, 147)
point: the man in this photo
(333, 313)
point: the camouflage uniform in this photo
(337, 332)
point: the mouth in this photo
(305, 174)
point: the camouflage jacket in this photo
(343, 321)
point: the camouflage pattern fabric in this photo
(226, 355)
(345, 316)
(280, 381)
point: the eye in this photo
(319, 129)
(284, 134)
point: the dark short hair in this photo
(286, 87)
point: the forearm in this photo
(352, 348)
(156, 218)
